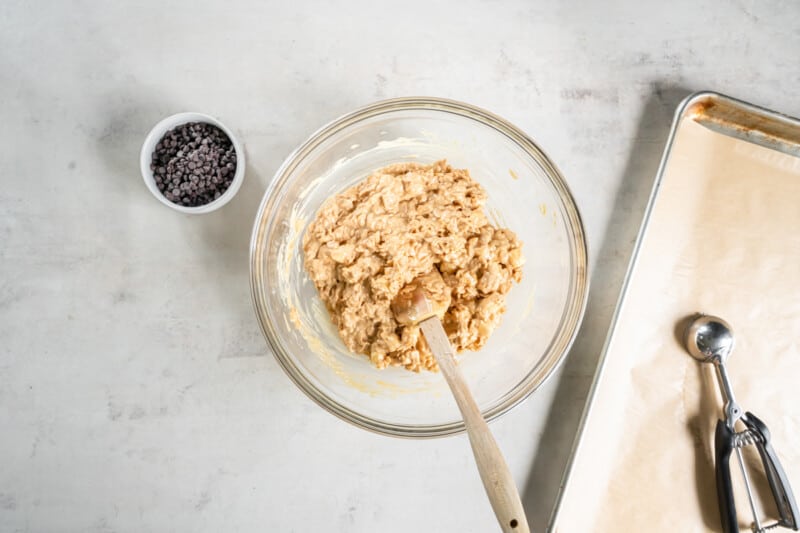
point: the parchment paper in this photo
(724, 239)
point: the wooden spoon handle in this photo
(496, 477)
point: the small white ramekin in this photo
(155, 135)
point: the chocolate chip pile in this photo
(194, 164)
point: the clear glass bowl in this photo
(526, 194)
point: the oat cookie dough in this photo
(405, 220)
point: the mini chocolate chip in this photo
(193, 163)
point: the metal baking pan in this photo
(771, 139)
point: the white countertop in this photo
(136, 391)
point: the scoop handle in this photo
(494, 472)
(723, 447)
(778, 481)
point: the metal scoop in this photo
(422, 302)
(709, 339)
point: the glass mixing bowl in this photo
(526, 194)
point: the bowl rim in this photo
(579, 284)
(159, 130)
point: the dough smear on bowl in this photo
(366, 243)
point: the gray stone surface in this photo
(136, 391)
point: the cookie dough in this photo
(405, 220)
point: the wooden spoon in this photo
(424, 301)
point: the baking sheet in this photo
(721, 236)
